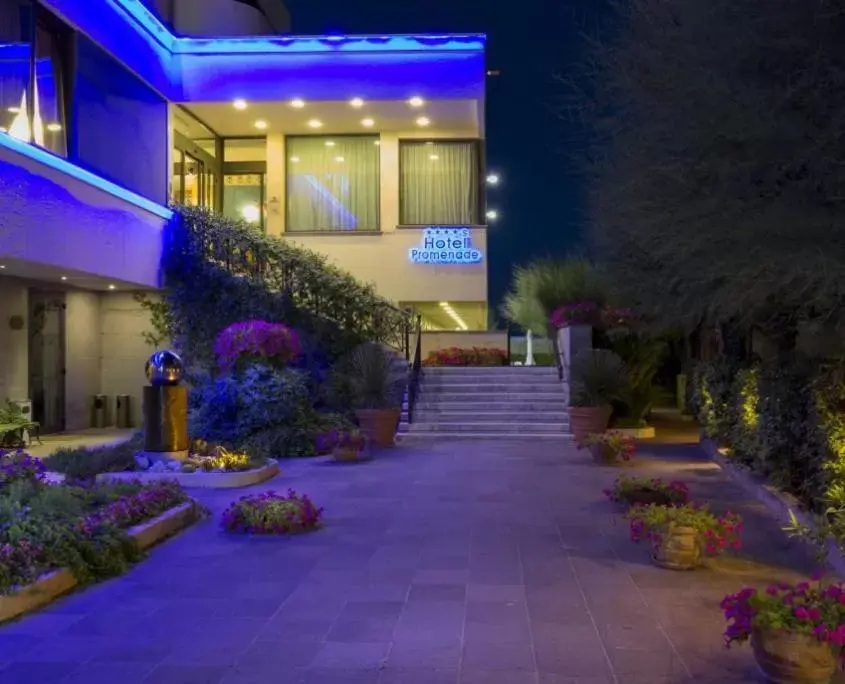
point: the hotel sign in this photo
(445, 246)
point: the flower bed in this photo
(46, 528)
(611, 447)
(272, 513)
(475, 356)
(256, 340)
(632, 491)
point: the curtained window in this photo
(32, 110)
(332, 183)
(439, 183)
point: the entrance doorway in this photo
(47, 359)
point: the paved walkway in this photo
(478, 563)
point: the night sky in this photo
(531, 42)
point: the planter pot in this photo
(646, 498)
(604, 455)
(679, 549)
(348, 454)
(379, 425)
(787, 658)
(586, 420)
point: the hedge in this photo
(784, 420)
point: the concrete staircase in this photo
(488, 403)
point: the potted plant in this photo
(597, 379)
(377, 384)
(349, 445)
(680, 536)
(610, 448)
(797, 631)
(644, 491)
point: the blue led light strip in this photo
(295, 44)
(64, 166)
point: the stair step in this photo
(504, 388)
(495, 404)
(472, 416)
(564, 438)
(461, 397)
(488, 427)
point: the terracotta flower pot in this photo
(379, 425)
(678, 549)
(347, 454)
(586, 420)
(645, 497)
(604, 455)
(788, 658)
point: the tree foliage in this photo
(717, 167)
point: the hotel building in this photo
(367, 149)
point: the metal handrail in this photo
(416, 371)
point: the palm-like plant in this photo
(376, 381)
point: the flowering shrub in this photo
(645, 490)
(18, 465)
(807, 608)
(272, 513)
(575, 313)
(619, 445)
(148, 502)
(256, 340)
(652, 522)
(19, 564)
(476, 356)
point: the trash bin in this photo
(122, 414)
(99, 411)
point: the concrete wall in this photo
(82, 350)
(123, 350)
(432, 341)
(51, 217)
(14, 344)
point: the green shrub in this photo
(745, 418)
(83, 463)
(712, 397)
(598, 378)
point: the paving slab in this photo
(460, 562)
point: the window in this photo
(439, 183)
(332, 183)
(245, 179)
(196, 168)
(32, 110)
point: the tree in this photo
(718, 164)
(539, 287)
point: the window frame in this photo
(376, 137)
(213, 165)
(480, 195)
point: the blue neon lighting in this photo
(445, 246)
(332, 43)
(64, 166)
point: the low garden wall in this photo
(437, 340)
(201, 480)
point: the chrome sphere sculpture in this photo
(164, 368)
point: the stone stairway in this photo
(488, 403)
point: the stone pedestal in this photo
(166, 422)
(572, 340)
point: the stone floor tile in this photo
(354, 656)
(187, 674)
(36, 672)
(356, 630)
(280, 655)
(417, 675)
(436, 654)
(351, 675)
(497, 677)
(495, 592)
(109, 673)
(485, 655)
(437, 592)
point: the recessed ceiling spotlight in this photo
(356, 102)
(330, 143)
(63, 278)
(368, 123)
(377, 142)
(2, 266)
(112, 287)
(492, 214)
(294, 159)
(493, 179)
(340, 160)
(14, 110)
(423, 121)
(239, 104)
(54, 127)
(315, 123)
(297, 103)
(416, 101)
(433, 157)
(260, 124)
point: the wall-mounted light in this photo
(297, 103)
(493, 179)
(239, 104)
(492, 214)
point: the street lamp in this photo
(493, 179)
(492, 214)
